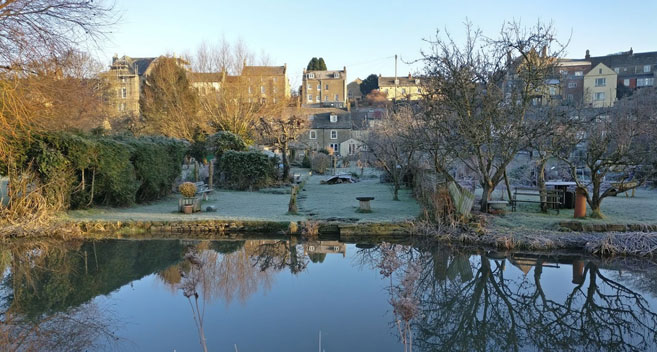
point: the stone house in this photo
(401, 88)
(328, 130)
(353, 90)
(600, 86)
(125, 77)
(324, 88)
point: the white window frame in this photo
(310, 87)
(579, 73)
(601, 82)
(312, 134)
(572, 84)
(310, 97)
(646, 68)
(626, 82)
(617, 69)
(311, 75)
(599, 96)
(319, 86)
(326, 97)
(318, 99)
(333, 118)
(335, 147)
(334, 134)
(337, 97)
(326, 86)
(262, 89)
(124, 93)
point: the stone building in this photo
(401, 88)
(328, 130)
(125, 77)
(571, 74)
(324, 88)
(600, 86)
(353, 90)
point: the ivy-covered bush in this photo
(247, 170)
(78, 170)
(221, 142)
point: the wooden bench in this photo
(554, 197)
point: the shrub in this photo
(320, 163)
(306, 162)
(187, 189)
(221, 142)
(247, 170)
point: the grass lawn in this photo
(642, 209)
(316, 202)
(321, 202)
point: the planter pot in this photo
(188, 209)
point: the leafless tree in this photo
(394, 147)
(479, 94)
(618, 143)
(279, 128)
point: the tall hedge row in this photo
(82, 170)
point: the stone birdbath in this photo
(364, 204)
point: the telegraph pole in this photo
(395, 97)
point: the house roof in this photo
(205, 76)
(264, 70)
(403, 81)
(329, 74)
(137, 65)
(323, 121)
(627, 58)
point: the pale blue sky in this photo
(364, 35)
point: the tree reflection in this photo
(206, 275)
(470, 302)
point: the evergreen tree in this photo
(312, 65)
(369, 84)
(321, 65)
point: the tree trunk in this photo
(286, 165)
(540, 182)
(595, 199)
(508, 186)
(395, 192)
(485, 196)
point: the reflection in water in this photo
(467, 303)
(208, 275)
(440, 299)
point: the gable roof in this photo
(264, 70)
(328, 74)
(595, 71)
(403, 81)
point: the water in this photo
(281, 294)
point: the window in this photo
(599, 96)
(553, 91)
(262, 89)
(249, 89)
(336, 75)
(572, 84)
(318, 99)
(352, 148)
(122, 107)
(403, 91)
(646, 68)
(617, 69)
(310, 86)
(600, 71)
(319, 86)
(313, 134)
(311, 75)
(326, 98)
(644, 82)
(326, 87)
(350, 94)
(600, 82)
(626, 82)
(335, 147)
(579, 73)
(571, 97)
(310, 97)
(337, 97)
(333, 118)
(124, 92)
(122, 79)
(334, 134)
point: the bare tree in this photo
(478, 94)
(393, 146)
(279, 128)
(618, 143)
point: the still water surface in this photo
(282, 294)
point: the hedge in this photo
(81, 170)
(247, 170)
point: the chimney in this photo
(631, 51)
(409, 76)
(544, 52)
(588, 55)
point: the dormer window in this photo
(311, 75)
(336, 75)
(396, 81)
(333, 118)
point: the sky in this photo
(365, 35)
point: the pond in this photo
(289, 294)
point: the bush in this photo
(82, 170)
(306, 162)
(221, 142)
(320, 163)
(247, 170)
